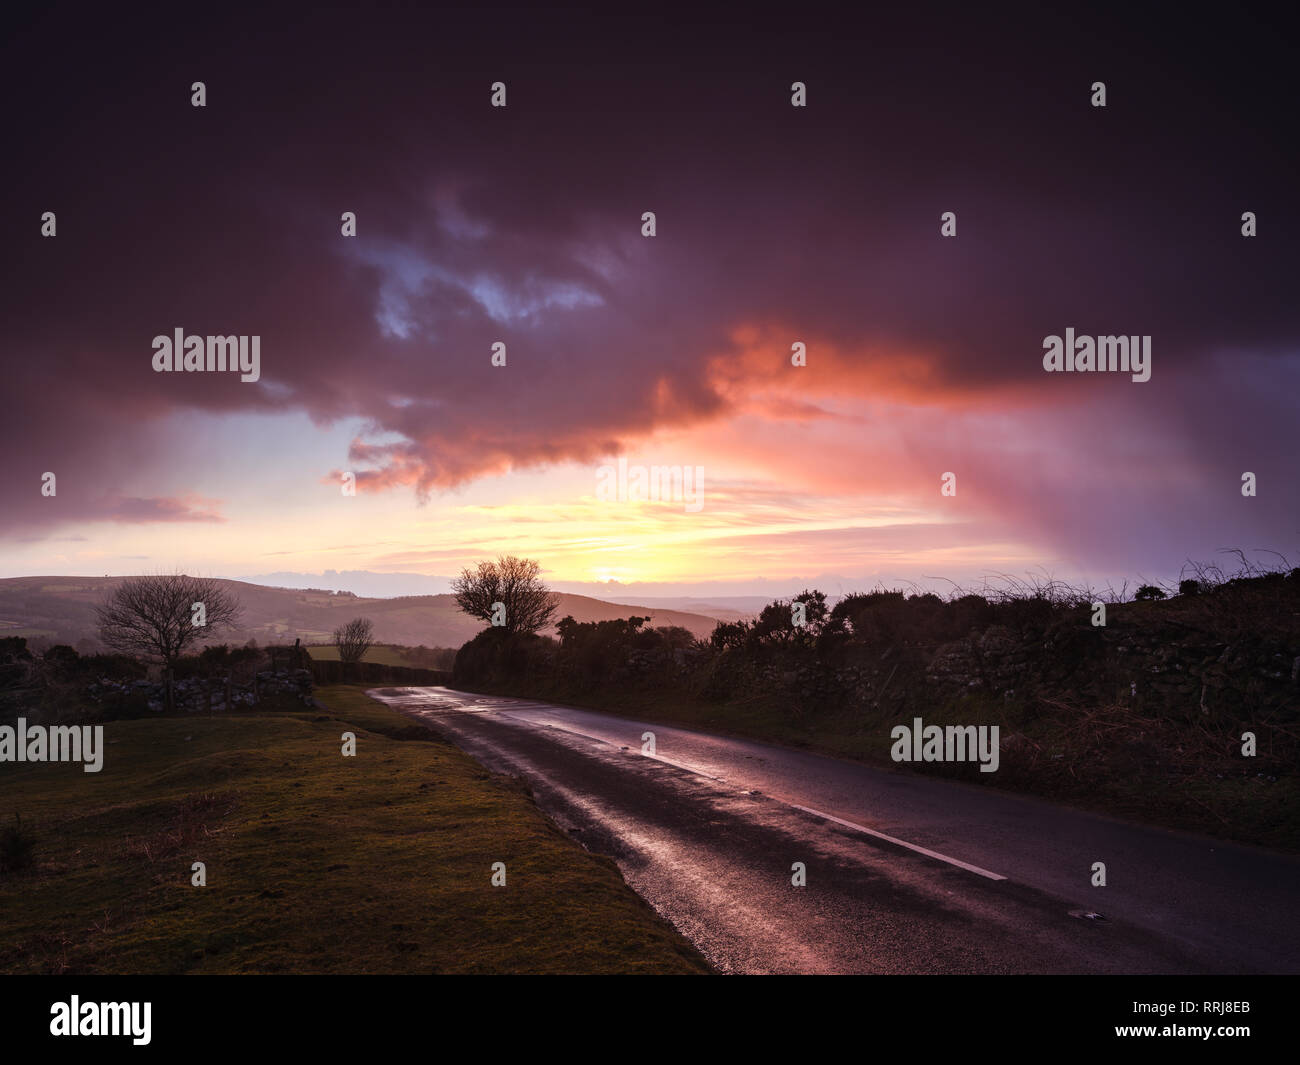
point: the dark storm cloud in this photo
(522, 225)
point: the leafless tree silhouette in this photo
(155, 616)
(512, 582)
(354, 639)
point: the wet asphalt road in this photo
(905, 873)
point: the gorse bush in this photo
(496, 655)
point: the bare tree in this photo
(354, 639)
(162, 616)
(508, 593)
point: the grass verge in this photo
(315, 862)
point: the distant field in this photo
(315, 863)
(384, 654)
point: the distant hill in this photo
(724, 608)
(62, 610)
(361, 582)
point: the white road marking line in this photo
(901, 842)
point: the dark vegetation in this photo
(17, 847)
(1143, 716)
(64, 686)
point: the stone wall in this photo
(200, 694)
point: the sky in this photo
(775, 225)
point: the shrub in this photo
(495, 655)
(17, 847)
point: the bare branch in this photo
(354, 639)
(162, 616)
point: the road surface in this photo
(904, 873)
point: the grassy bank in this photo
(380, 863)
